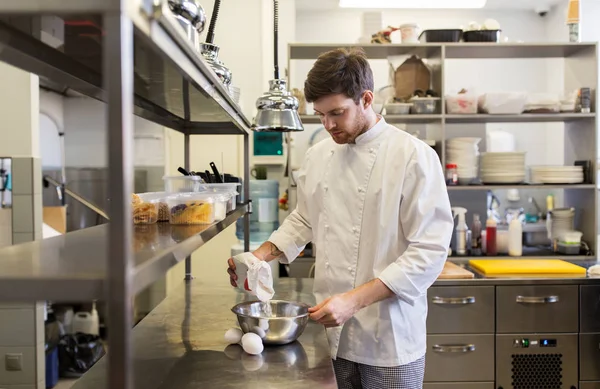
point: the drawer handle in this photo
(537, 300)
(453, 300)
(454, 348)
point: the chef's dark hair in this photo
(339, 71)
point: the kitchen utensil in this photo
(453, 271)
(208, 176)
(183, 171)
(285, 323)
(525, 266)
(218, 177)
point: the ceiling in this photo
(306, 5)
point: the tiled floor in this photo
(65, 384)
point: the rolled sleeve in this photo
(427, 222)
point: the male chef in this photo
(374, 201)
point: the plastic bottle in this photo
(476, 235)
(515, 238)
(490, 236)
(461, 230)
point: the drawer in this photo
(537, 309)
(520, 364)
(589, 357)
(461, 310)
(458, 385)
(459, 358)
(589, 385)
(590, 308)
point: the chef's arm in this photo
(427, 222)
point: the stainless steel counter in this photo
(180, 345)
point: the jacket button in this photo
(326, 264)
(349, 268)
(360, 189)
(371, 150)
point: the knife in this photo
(218, 178)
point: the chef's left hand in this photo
(335, 310)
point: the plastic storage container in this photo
(191, 208)
(397, 108)
(440, 36)
(424, 105)
(228, 188)
(161, 198)
(503, 103)
(481, 36)
(461, 104)
(221, 205)
(265, 211)
(179, 184)
(409, 32)
(144, 211)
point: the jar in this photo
(409, 33)
(451, 174)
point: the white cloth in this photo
(254, 276)
(377, 208)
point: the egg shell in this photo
(259, 331)
(252, 343)
(233, 335)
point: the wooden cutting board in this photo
(452, 271)
(494, 267)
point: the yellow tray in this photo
(525, 266)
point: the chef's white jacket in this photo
(378, 208)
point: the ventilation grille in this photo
(537, 371)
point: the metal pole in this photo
(186, 158)
(118, 82)
(247, 192)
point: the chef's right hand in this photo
(231, 271)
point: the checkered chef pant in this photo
(352, 375)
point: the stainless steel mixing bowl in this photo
(286, 323)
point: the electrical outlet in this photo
(14, 362)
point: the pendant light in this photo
(278, 108)
(210, 51)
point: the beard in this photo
(359, 125)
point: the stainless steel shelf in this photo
(314, 119)
(523, 118)
(73, 266)
(373, 51)
(519, 186)
(173, 85)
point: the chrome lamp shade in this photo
(277, 110)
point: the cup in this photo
(259, 172)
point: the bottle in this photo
(490, 236)
(515, 238)
(573, 21)
(461, 230)
(476, 235)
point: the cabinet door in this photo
(589, 357)
(537, 309)
(459, 358)
(590, 308)
(461, 310)
(458, 385)
(589, 385)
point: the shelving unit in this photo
(141, 64)
(580, 129)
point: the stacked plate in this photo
(556, 174)
(561, 220)
(464, 153)
(503, 168)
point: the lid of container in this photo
(404, 25)
(152, 196)
(180, 177)
(451, 166)
(193, 196)
(224, 187)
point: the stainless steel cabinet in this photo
(589, 357)
(459, 358)
(461, 310)
(523, 361)
(590, 308)
(537, 309)
(459, 385)
(589, 385)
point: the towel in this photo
(254, 276)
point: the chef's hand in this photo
(231, 271)
(335, 310)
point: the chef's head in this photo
(340, 86)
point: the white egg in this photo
(259, 331)
(252, 362)
(264, 324)
(252, 343)
(233, 335)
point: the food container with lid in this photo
(397, 108)
(191, 208)
(144, 211)
(222, 205)
(180, 184)
(424, 105)
(161, 198)
(410, 32)
(227, 188)
(463, 103)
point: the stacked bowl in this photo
(503, 168)
(556, 174)
(562, 220)
(464, 153)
